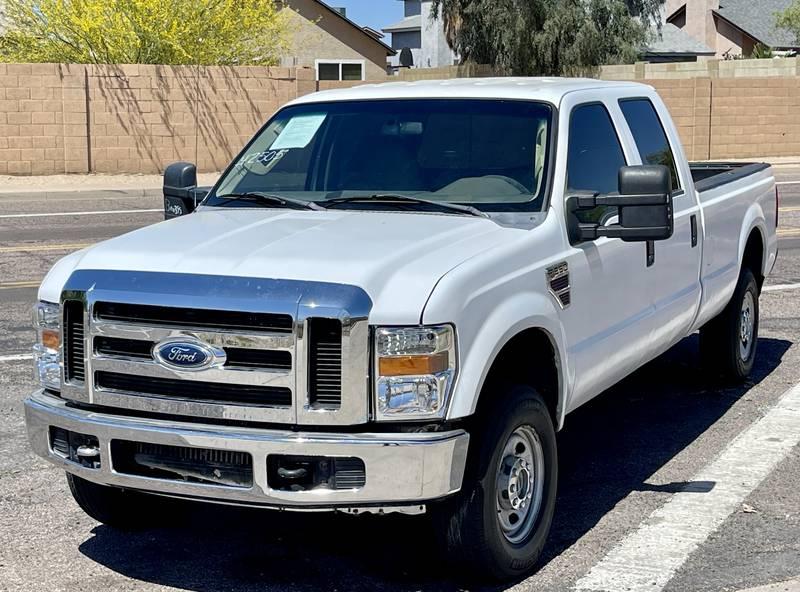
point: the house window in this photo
(340, 69)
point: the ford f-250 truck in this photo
(391, 300)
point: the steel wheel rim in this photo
(747, 321)
(520, 484)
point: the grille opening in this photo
(258, 358)
(81, 449)
(197, 391)
(325, 363)
(127, 348)
(236, 357)
(74, 354)
(179, 463)
(305, 473)
(193, 317)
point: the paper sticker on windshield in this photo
(298, 132)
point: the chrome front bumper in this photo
(401, 469)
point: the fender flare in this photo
(754, 221)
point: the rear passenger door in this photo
(674, 268)
(607, 322)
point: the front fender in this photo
(483, 334)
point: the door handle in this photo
(694, 230)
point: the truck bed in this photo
(710, 175)
(729, 195)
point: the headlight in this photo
(47, 322)
(415, 368)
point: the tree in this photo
(205, 32)
(789, 19)
(547, 37)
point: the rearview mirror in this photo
(644, 202)
(181, 193)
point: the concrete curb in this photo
(131, 193)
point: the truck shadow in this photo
(609, 448)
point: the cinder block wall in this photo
(137, 119)
(57, 118)
(734, 118)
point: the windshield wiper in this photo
(269, 199)
(406, 199)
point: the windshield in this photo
(489, 154)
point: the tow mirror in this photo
(644, 202)
(181, 193)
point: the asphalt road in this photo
(622, 457)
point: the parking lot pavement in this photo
(624, 457)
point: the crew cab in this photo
(391, 301)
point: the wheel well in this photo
(528, 358)
(753, 258)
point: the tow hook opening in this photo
(305, 473)
(81, 449)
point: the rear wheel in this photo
(119, 508)
(728, 342)
(498, 524)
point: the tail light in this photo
(777, 206)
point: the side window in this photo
(651, 140)
(594, 156)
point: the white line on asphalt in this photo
(779, 287)
(15, 357)
(97, 213)
(787, 183)
(649, 557)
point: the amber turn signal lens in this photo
(51, 339)
(413, 365)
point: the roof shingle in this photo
(757, 19)
(675, 41)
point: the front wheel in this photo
(120, 508)
(498, 524)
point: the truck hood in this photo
(397, 258)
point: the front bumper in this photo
(401, 469)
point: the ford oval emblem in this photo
(183, 354)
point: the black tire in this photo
(120, 508)
(722, 346)
(468, 524)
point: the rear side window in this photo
(594, 156)
(651, 140)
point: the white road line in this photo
(97, 213)
(15, 357)
(779, 287)
(787, 183)
(649, 557)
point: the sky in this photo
(371, 13)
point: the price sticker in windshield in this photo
(299, 132)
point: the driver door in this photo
(607, 320)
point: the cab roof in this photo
(537, 89)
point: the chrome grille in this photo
(74, 354)
(325, 367)
(213, 392)
(236, 357)
(229, 320)
(285, 352)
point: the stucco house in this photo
(324, 38)
(732, 27)
(423, 35)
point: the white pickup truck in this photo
(391, 301)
